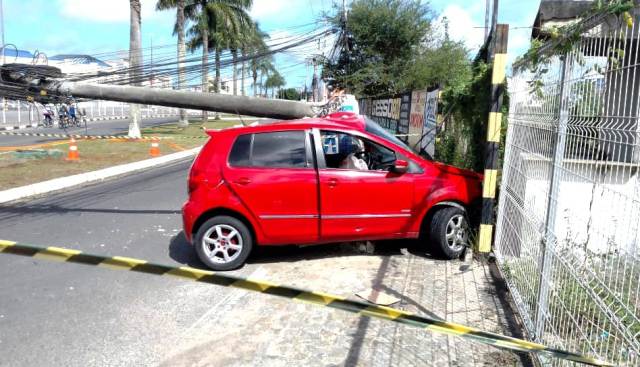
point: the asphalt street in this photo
(112, 127)
(62, 314)
(55, 314)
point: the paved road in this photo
(93, 128)
(54, 314)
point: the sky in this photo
(97, 27)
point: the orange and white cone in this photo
(73, 155)
(154, 151)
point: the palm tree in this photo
(266, 68)
(135, 62)
(256, 45)
(248, 41)
(236, 42)
(260, 65)
(274, 80)
(178, 30)
(212, 17)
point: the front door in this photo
(273, 175)
(359, 197)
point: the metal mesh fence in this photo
(22, 113)
(568, 231)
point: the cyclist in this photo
(72, 114)
(63, 115)
(48, 116)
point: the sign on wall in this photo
(390, 113)
(416, 118)
(430, 123)
(409, 116)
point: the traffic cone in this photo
(73, 155)
(154, 151)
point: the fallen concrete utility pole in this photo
(242, 105)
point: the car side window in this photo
(345, 151)
(240, 151)
(281, 149)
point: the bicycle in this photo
(48, 119)
(63, 121)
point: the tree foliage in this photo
(395, 47)
(274, 81)
(291, 94)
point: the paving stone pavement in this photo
(248, 329)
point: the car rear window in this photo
(281, 149)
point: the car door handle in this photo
(332, 182)
(242, 181)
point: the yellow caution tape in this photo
(316, 298)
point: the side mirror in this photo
(400, 166)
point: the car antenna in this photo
(240, 117)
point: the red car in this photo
(320, 180)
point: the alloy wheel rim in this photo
(457, 235)
(222, 243)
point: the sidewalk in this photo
(248, 329)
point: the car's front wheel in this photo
(449, 232)
(223, 243)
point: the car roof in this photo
(339, 120)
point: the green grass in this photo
(195, 128)
(572, 306)
(18, 170)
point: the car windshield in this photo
(377, 130)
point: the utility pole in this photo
(151, 57)
(135, 62)
(494, 31)
(4, 101)
(2, 29)
(345, 34)
(494, 16)
(314, 81)
(486, 19)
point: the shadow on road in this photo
(184, 253)
(57, 209)
(180, 250)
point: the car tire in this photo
(449, 232)
(223, 243)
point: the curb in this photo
(108, 118)
(17, 127)
(61, 183)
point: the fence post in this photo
(487, 220)
(548, 243)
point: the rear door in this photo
(361, 203)
(274, 176)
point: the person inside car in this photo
(353, 160)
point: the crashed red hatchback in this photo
(321, 180)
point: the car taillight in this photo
(192, 186)
(195, 178)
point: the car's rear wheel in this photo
(449, 232)
(223, 243)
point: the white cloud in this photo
(461, 26)
(266, 9)
(106, 11)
